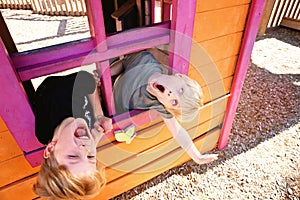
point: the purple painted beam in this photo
(15, 108)
(181, 34)
(57, 59)
(85, 59)
(254, 17)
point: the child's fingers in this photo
(98, 128)
(107, 125)
(207, 158)
(97, 134)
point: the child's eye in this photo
(174, 102)
(181, 91)
(90, 157)
(72, 156)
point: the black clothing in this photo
(59, 97)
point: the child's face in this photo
(168, 89)
(75, 146)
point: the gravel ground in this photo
(262, 159)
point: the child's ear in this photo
(49, 148)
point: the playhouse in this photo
(210, 41)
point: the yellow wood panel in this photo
(15, 169)
(2, 125)
(8, 146)
(216, 23)
(135, 162)
(216, 49)
(213, 72)
(204, 5)
(116, 152)
(204, 143)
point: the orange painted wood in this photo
(15, 169)
(214, 50)
(204, 143)
(217, 89)
(8, 146)
(221, 22)
(204, 5)
(2, 125)
(217, 48)
(213, 72)
(20, 190)
(146, 157)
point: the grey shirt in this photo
(130, 87)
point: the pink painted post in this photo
(97, 27)
(15, 108)
(255, 14)
(181, 34)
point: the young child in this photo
(145, 84)
(70, 121)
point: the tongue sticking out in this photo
(81, 132)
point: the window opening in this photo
(32, 31)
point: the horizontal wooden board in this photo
(19, 190)
(217, 89)
(216, 23)
(15, 169)
(216, 49)
(213, 71)
(204, 5)
(291, 23)
(8, 147)
(143, 158)
(204, 143)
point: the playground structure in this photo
(209, 41)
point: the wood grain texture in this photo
(173, 159)
(3, 126)
(203, 5)
(8, 146)
(216, 23)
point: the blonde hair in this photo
(56, 182)
(190, 102)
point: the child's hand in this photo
(207, 158)
(97, 133)
(104, 122)
(97, 78)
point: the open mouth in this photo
(81, 133)
(161, 88)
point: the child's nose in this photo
(160, 88)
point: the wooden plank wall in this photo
(60, 7)
(218, 33)
(284, 9)
(16, 4)
(278, 11)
